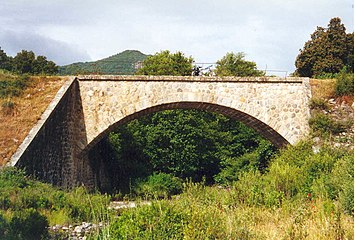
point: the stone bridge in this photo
(64, 148)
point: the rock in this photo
(316, 139)
(337, 144)
(316, 149)
(332, 101)
(78, 229)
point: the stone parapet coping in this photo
(191, 78)
(41, 122)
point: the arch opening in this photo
(100, 146)
(263, 129)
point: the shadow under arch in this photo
(263, 129)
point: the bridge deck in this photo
(191, 78)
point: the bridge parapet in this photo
(192, 78)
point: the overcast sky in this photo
(270, 32)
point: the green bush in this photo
(13, 87)
(318, 103)
(158, 221)
(342, 181)
(325, 125)
(28, 224)
(296, 172)
(19, 192)
(326, 76)
(344, 84)
(4, 227)
(250, 188)
(13, 177)
(233, 167)
(159, 185)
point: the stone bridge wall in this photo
(276, 107)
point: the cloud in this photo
(269, 32)
(60, 52)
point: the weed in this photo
(318, 103)
(325, 125)
(160, 185)
(345, 84)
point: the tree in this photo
(188, 144)
(233, 64)
(329, 50)
(42, 66)
(5, 61)
(166, 63)
(27, 62)
(24, 62)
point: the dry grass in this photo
(308, 223)
(323, 88)
(16, 122)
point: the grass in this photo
(25, 111)
(323, 88)
(214, 213)
(303, 195)
(24, 200)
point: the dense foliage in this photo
(233, 64)
(124, 63)
(166, 63)
(188, 144)
(328, 52)
(27, 62)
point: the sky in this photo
(270, 33)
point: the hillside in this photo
(119, 64)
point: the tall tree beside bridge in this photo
(327, 52)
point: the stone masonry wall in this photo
(276, 107)
(50, 150)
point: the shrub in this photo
(285, 178)
(233, 167)
(325, 125)
(13, 177)
(4, 227)
(158, 221)
(345, 84)
(13, 87)
(28, 224)
(318, 103)
(19, 192)
(159, 185)
(342, 180)
(326, 75)
(250, 188)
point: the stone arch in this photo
(276, 108)
(263, 129)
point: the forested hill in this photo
(119, 64)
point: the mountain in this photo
(119, 64)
